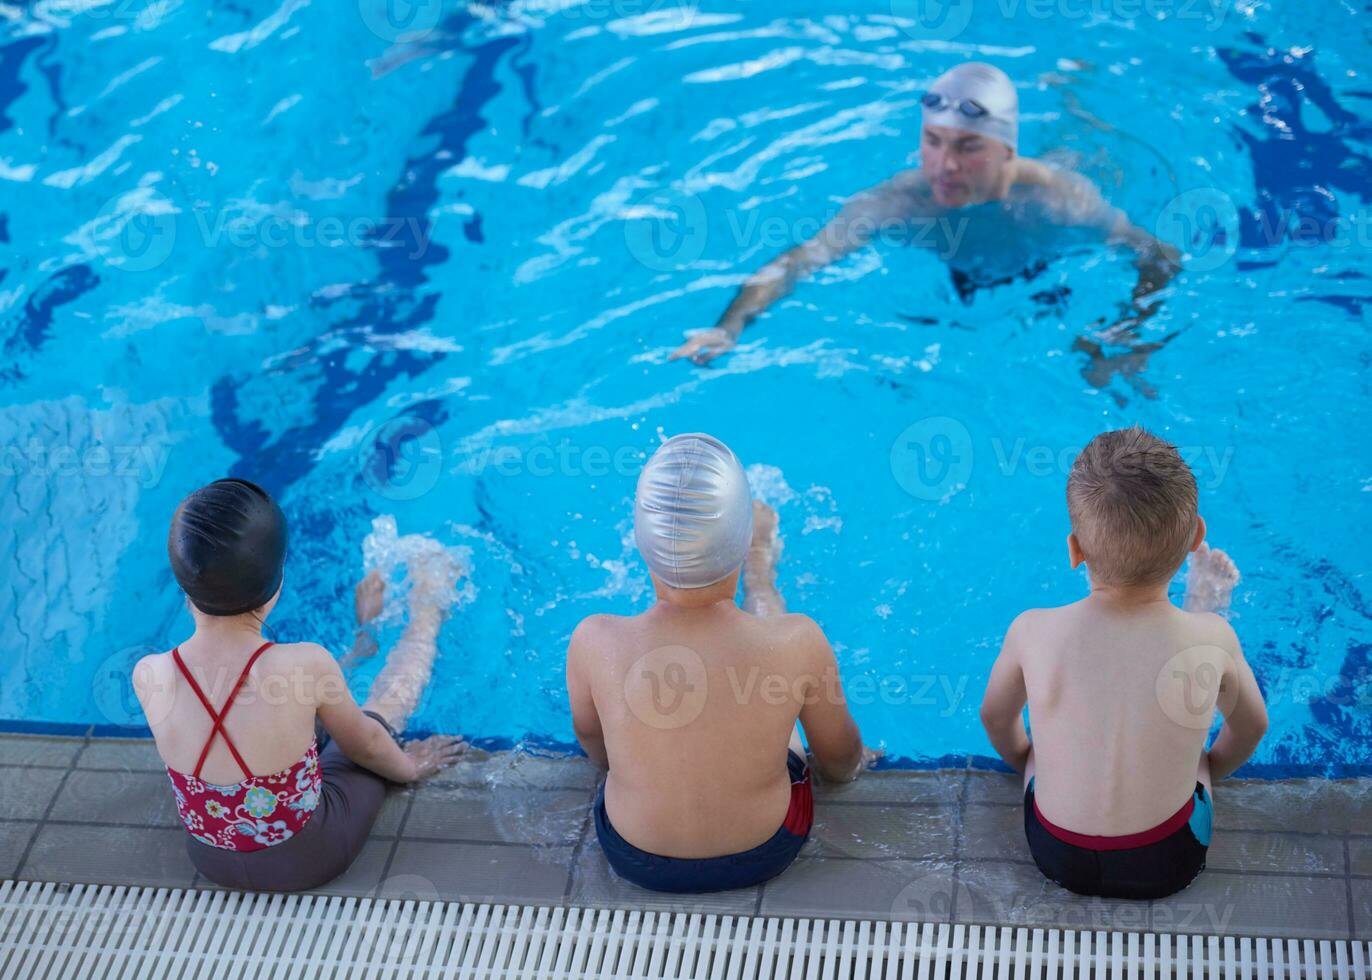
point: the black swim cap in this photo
(227, 546)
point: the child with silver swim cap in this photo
(693, 704)
(693, 514)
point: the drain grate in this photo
(95, 932)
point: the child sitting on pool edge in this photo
(278, 774)
(1122, 686)
(708, 787)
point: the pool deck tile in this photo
(892, 786)
(1290, 858)
(364, 877)
(1361, 894)
(392, 815)
(478, 872)
(142, 798)
(14, 842)
(512, 770)
(869, 889)
(1310, 854)
(28, 792)
(509, 816)
(1360, 855)
(38, 750)
(923, 832)
(1267, 905)
(994, 787)
(121, 755)
(109, 855)
(996, 892)
(1341, 806)
(993, 832)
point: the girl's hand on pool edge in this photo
(432, 755)
(705, 345)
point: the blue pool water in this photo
(437, 275)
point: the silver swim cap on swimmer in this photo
(693, 512)
(953, 99)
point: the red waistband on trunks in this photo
(1092, 842)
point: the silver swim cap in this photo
(980, 83)
(693, 513)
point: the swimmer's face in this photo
(963, 168)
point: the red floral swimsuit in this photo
(259, 811)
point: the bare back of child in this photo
(1122, 686)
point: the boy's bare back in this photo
(697, 708)
(1122, 687)
(1121, 699)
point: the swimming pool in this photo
(430, 263)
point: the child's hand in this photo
(432, 755)
(870, 757)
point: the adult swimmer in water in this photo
(981, 205)
(278, 774)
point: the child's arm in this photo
(1245, 714)
(585, 718)
(361, 738)
(1003, 704)
(830, 730)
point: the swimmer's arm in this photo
(1245, 713)
(832, 734)
(1080, 203)
(585, 718)
(852, 228)
(360, 737)
(1156, 261)
(1002, 706)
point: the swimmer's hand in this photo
(432, 755)
(1157, 267)
(870, 757)
(705, 345)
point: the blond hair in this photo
(1133, 506)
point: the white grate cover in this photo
(94, 932)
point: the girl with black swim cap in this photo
(278, 774)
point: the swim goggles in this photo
(938, 102)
